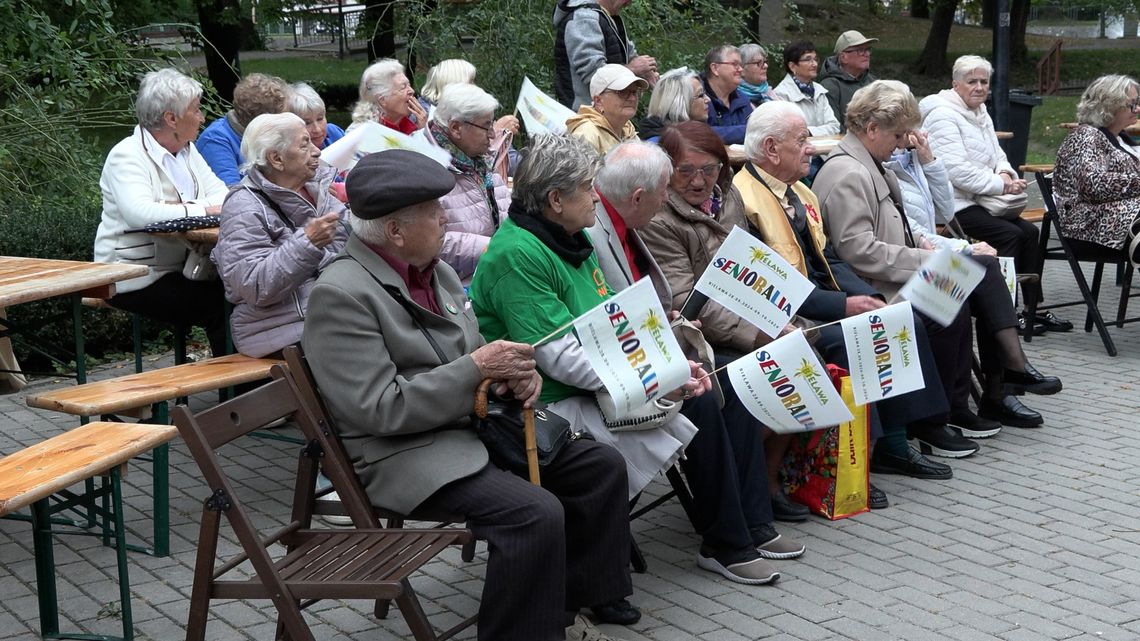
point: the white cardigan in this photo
(928, 199)
(817, 111)
(138, 191)
(966, 142)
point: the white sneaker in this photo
(584, 630)
(338, 520)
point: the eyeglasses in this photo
(807, 60)
(862, 51)
(489, 129)
(688, 172)
(700, 95)
(735, 63)
(756, 63)
(625, 94)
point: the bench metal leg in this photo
(45, 569)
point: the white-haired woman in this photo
(1096, 181)
(280, 227)
(962, 134)
(153, 175)
(463, 125)
(754, 79)
(387, 97)
(308, 104)
(678, 96)
(444, 73)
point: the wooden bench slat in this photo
(155, 386)
(1036, 169)
(1035, 215)
(49, 466)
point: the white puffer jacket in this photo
(817, 110)
(928, 198)
(966, 142)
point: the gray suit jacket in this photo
(403, 416)
(612, 260)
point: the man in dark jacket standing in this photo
(588, 35)
(848, 71)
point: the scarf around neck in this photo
(479, 167)
(807, 89)
(754, 92)
(572, 248)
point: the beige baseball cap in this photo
(849, 39)
(614, 77)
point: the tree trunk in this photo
(988, 9)
(221, 30)
(932, 61)
(920, 9)
(380, 18)
(873, 7)
(1018, 22)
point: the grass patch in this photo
(1045, 131)
(322, 71)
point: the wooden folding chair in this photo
(324, 446)
(1076, 251)
(364, 563)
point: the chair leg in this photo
(414, 614)
(1098, 274)
(636, 558)
(1090, 301)
(681, 489)
(1125, 292)
(203, 573)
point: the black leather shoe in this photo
(877, 499)
(915, 465)
(973, 426)
(1051, 323)
(784, 509)
(1009, 411)
(941, 440)
(1037, 329)
(1030, 381)
(620, 612)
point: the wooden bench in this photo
(32, 475)
(1035, 215)
(133, 395)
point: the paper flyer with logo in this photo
(1009, 273)
(540, 113)
(372, 137)
(942, 284)
(752, 280)
(882, 354)
(784, 385)
(628, 342)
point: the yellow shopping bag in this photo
(827, 470)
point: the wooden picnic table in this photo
(1004, 135)
(24, 280)
(206, 236)
(822, 144)
(31, 476)
(1133, 130)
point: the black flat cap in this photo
(385, 181)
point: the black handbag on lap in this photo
(499, 424)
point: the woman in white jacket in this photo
(156, 174)
(962, 134)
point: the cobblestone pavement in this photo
(1036, 537)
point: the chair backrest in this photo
(319, 430)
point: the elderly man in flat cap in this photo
(848, 71)
(396, 351)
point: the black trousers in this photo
(552, 549)
(928, 404)
(726, 469)
(1015, 238)
(176, 299)
(953, 350)
(991, 305)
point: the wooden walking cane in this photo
(530, 444)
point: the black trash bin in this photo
(1021, 106)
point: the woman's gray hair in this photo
(887, 103)
(376, 81)
(266, 133)
(162, 91)
(672, 95)
(463, 102)
(1103, 98)
(965, 64)
(304, 100)
(631, 166)
(752, 51)
(257, 94)
(446, 73)
(553, 163)
(772, 119)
